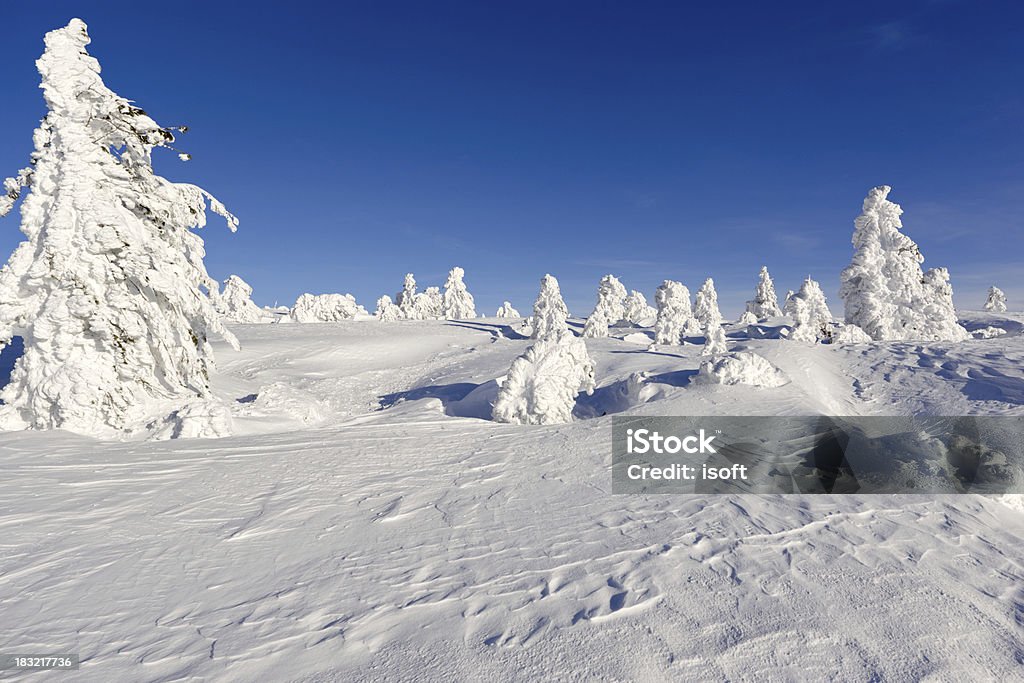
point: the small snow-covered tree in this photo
(430, 304)
(109, 290)
(675, 317)
(884, 289)
(325, 308)
(387, 311)
(747, 318)
(765, 303)
(458, 302)
(506, 310)
(236, 304)
(549, 310)
(811, 315)
(705, 308)
(996, 300)
(637, 310)
(406, 299)
(610, 307)
(543, 383)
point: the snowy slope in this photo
(366, 524)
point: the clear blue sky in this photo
(359, 141)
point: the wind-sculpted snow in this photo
(109, 290)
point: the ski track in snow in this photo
(388, 540)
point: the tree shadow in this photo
(496, 330)
(446, 393)
(677, 378)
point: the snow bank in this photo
(325, 308)
(988, 332)
(742, 367)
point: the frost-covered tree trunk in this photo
(996, 302)
(430, 304)
(506, 310)
(675, 317)
(387, 311)
(765, 303)
(109, 290)
(458, 302)
(610, 307)
(543, 383)
(637, 310)
(884, 289)
(406, 299)
(236, 304)
(549, 310)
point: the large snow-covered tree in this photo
(406, 299)
(765, 303)
(884, 290)
(430, 304)
(996, 302)
(549, 310)
(108, 290)
(236, 304)
(458, 302)
(610, 308)
(675, 315)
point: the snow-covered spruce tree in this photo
(109, 290)
(325, 308)
(637, 310)
(236, 304)
(810, 313)
(996, 300)
(458, 302)
(506, 310)
(707, 313)
(406, 299)
(610, 307)
(387, 311)
(549, 310)
(543, 383)
(675, 317)
(430, 304)
(884, 289)
(765, 303)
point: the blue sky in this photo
(360, 141)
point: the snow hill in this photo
(365, 523)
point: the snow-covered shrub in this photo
(675, 317)
(406, 299)
(108, 290)
(506, 310)
(996, 302)
(765, 303)
(549, 310)
(458, 302)
(325, 308)
(850, 334)
(386, 310)
(638, 311)
(747, 318)
(236, 304)
(543, 383)
(884, 289)
(810, 313)
(743, 367)
(610, 308)
(430, 304)
(988, 332)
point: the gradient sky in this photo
(359, 141)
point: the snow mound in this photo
(850, 334)
(325, 308)
(988, 332)
(204, 419)
(741, 367)
(279, 398)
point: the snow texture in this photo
(609, 310)
(109, 290)
(743, 367)
(506, 310)
(549, 310)
(996, 302)
(884, 289)
(325, 308)
(543, 383)
(765, 303)
(236, 304)
(458, 302)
